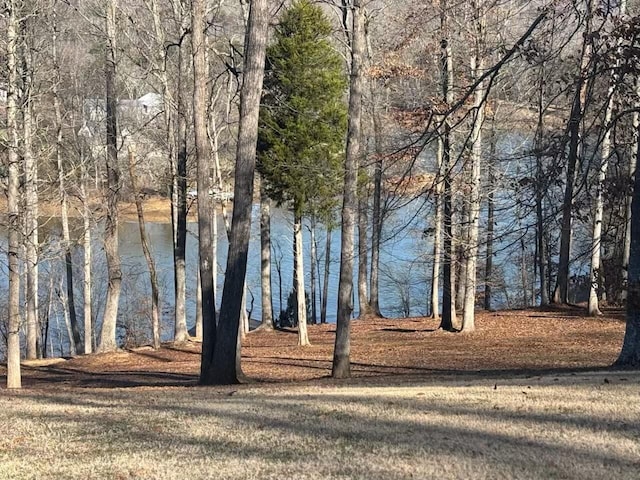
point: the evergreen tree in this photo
(303, 123)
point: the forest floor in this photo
(529, 395)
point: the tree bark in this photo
(448, 321)
(342, 349)
(224, 367)
(108, 334)
(313, 261)
(437, 236)
(477, 67)
(31, 197)
(14, 379)
(298, 279)
(179, 196)
(541, 188)
(203, 161)
(265, 259)
(363, 300)
(325, 281)
(491, 220)
(87, 255)
(146, 250)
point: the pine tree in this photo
(303, 122)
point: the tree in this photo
(108, 334)
(342, 349)
(302, 123)
(561, 293)
(14, 379)
(221, 364)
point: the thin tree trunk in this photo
(477, 68)
(342, 349)
(376, 220)
(448, 321)
(31, 196)
(298, 285)
(67, 321)
(86, 243)
(437, 236)
(596, 283)
(222, 366)
(491, 223)
(541, 184)
(363, 300)
(64, 208)
(146, 250)
(108, 334)
(14, 378)
(325, 281)
(313, 261)
(179, 195)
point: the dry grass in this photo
(566, 426)
(530, 395)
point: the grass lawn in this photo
(528, 396)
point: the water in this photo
(403, 279)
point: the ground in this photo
(530, 395)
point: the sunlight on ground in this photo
(568, 426)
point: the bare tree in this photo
(561, 293)
(477, 69)
(448, 321)
(146, 250)
(31, 192)
(108, 334)
(342, 348)
(14, 379)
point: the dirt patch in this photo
(506, 343)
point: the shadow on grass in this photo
(333, 432)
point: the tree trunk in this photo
(342, 349)
(31, 199)
(203, 161)
(64, 209)
(363, 300)
(596, 283)
(477, 68)
(561, 293)
(14, 379)
(448, 321)
(491, 223)
(86, 243)
(224, 366)
(376, 220)
(298, 279)
(108, 334)
(146, 250)
(325, 281)
(630, 353)
(179, 196)
(541, 188)
(313, 261)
